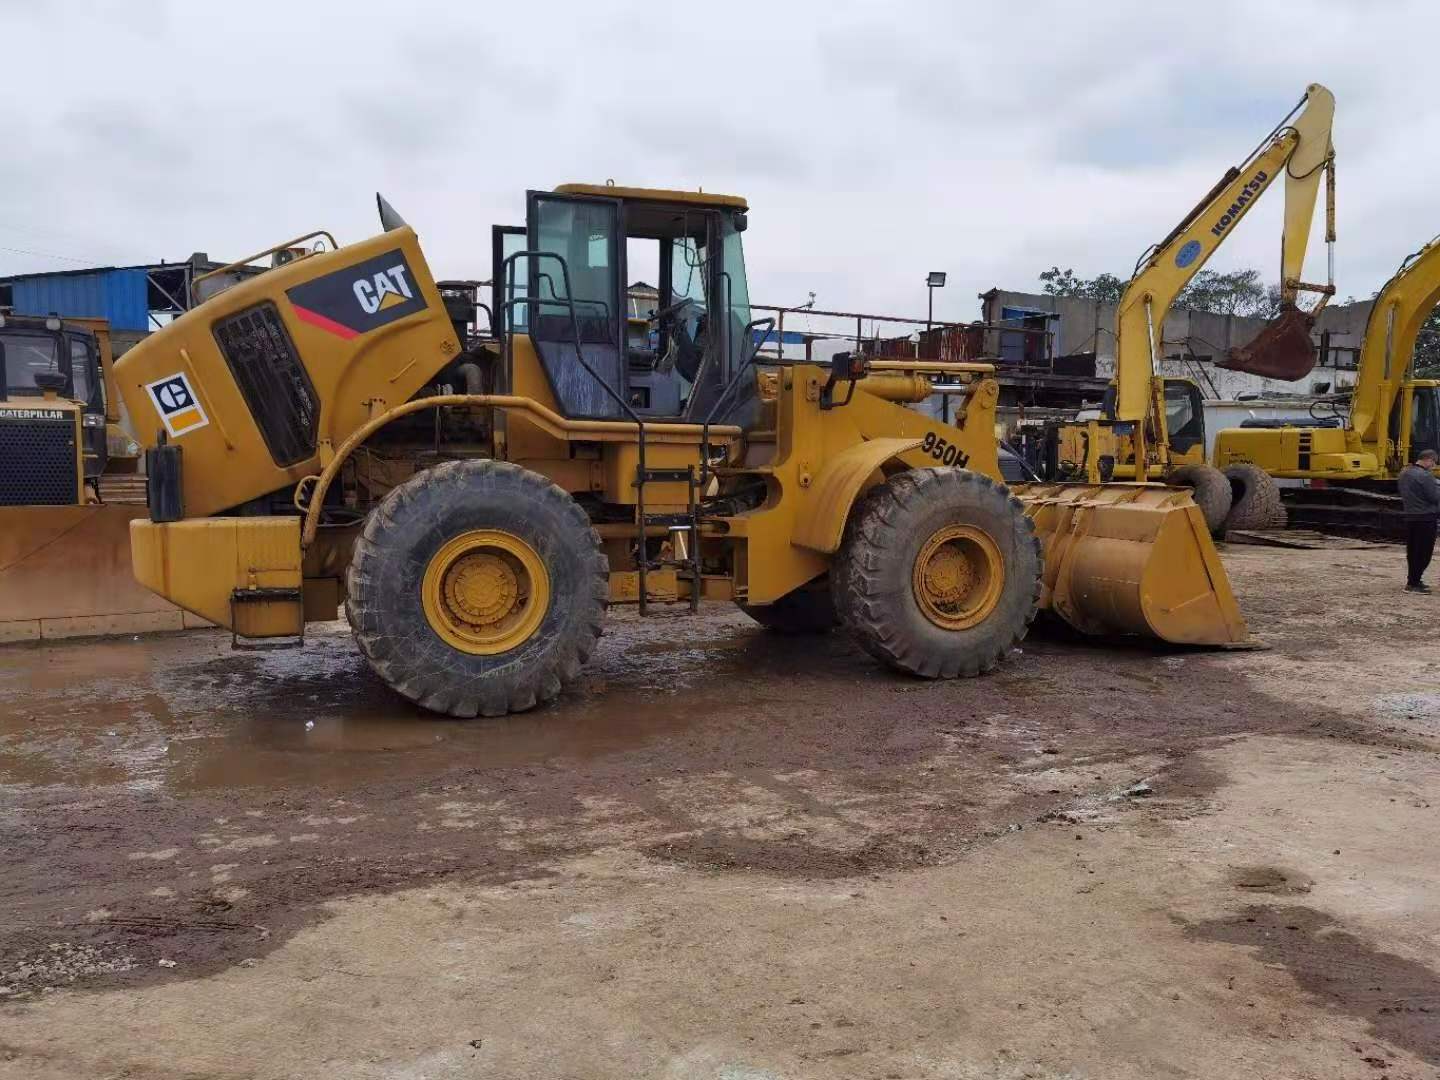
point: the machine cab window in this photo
(28, 353)
(606, 355)
(1184, 415)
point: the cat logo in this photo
(386, 289)
(175, 401)
(359, 298)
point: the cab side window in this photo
(86, 386)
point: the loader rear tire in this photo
(1211, 490)
(1256, 499)
(939, 573)
(810, 609)
(477, 587)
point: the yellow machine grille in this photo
(37, 462)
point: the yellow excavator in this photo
(1154, 426)
(1389, 415)
(318, 434)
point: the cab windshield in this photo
(27, 354)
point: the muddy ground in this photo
(738, 857)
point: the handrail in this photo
(749, 332)
(268, 251)
(643, 561)
(943, 366)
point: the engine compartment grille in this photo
(262, 358)
(37, 462)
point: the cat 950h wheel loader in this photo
(319, 435)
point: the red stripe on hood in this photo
(314, 318)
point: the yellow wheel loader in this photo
(318, 434)
(1154, 426)
(65, 567)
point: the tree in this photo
(1427, 348)
(1105, 288)
(1239, 292)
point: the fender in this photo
(826, 504)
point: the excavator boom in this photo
(1299, 147)
(1387, 352)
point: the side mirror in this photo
(741, 220)
(844, 367)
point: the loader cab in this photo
(666, 353)
(39, 349)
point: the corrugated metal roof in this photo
(118, 295)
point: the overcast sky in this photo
(875, 141)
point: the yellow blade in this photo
(65, 571)
(1132, 559)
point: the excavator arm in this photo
(1300, 147)
(1386, 354)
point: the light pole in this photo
(934, 280)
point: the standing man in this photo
(1420, 496)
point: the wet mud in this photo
(1398, 998)
(167, 801)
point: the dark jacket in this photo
(1419, 491)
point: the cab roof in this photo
(665, 195)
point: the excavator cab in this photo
(1414, 422)
(1184, 413)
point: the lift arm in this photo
(1300, 146)
(1387, 352)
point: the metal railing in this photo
(569, 302)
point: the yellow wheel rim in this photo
(959, 576)
(485, 592)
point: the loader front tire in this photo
(810, 609)
(1256, 499)
(1211, 490)
(477, 587)
(939, 573)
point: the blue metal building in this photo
(118, 294)
(133, 298)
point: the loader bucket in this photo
(65, 572)
(1283, 350)
(1132, 559)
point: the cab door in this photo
(583, 264)
(509, 283)
(88, 390)
(1184, 422)
(1422, 430)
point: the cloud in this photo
(875, 142)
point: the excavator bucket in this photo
(65, 572)
(1132, 559)
(1283, 350)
